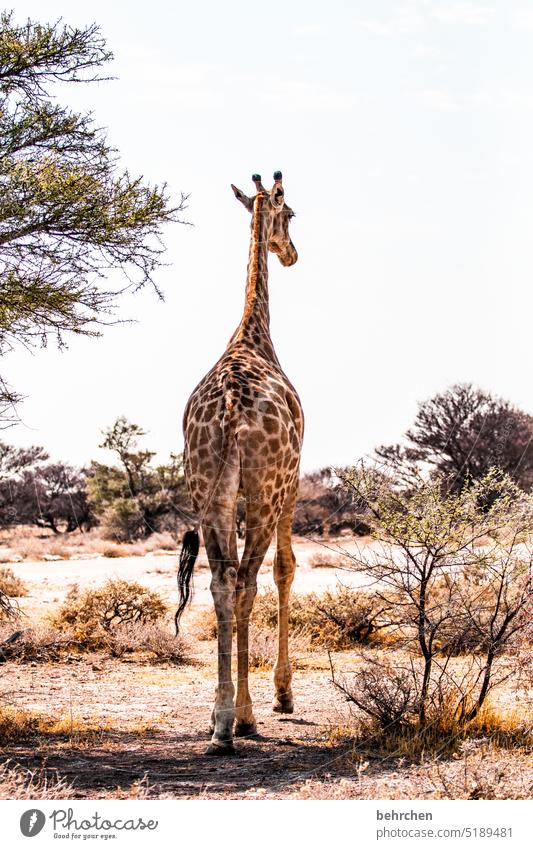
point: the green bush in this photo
(123, 521)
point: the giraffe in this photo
(243, 429)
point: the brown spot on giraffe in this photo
(247, 415)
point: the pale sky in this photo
(404, 131)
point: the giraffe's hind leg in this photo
(284, 569)
(258, 536)
(221, 546)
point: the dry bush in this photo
(381, 692)
(336, 619)
(322, 561)
(387, 695)
(327, 560)
(17, 782)
(16, 725)
(36, 544)
(39, 644)
(345, 617)
(478, 770)
(9, 609)
(11, 584)
(92, 614)
(204, 624)
(262, 648)
(152, 638)
(443, 593)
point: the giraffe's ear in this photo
(277, 195)
(244, 199)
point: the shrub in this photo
(93, 614)
(16, 725)
(11, 584)
(262, 647)
(443, 592)
(123, 521)
(336, 619)
(152, 638)
(40, 644)
(204, 626)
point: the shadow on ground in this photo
(178, 765)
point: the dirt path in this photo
(123, 723)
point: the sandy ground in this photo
(50, 580)
(154, 727)
(130, 728)
(150, 722)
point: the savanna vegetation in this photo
(424, 648)
(69, 211)
(422, 640)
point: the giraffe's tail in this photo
(189, 552)
(191, 539)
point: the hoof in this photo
(283, 704)
(221, 750)
(245, 729)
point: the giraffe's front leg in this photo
(223, 583)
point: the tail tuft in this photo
(190, 547)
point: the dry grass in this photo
(444, 734)
(38, 644)
(336, 619)
(262, 647)
(11, 584)
(18, 726)
(16, 782)
(32, 543)
(153, 640)
(478, 771)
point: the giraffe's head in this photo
(276, 213)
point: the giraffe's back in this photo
(245, 413)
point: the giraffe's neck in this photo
(254, 327)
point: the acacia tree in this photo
(68, 213)
(53, 496)
(453, 579)
(49, 495)
(136, 498)
(461, 434)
